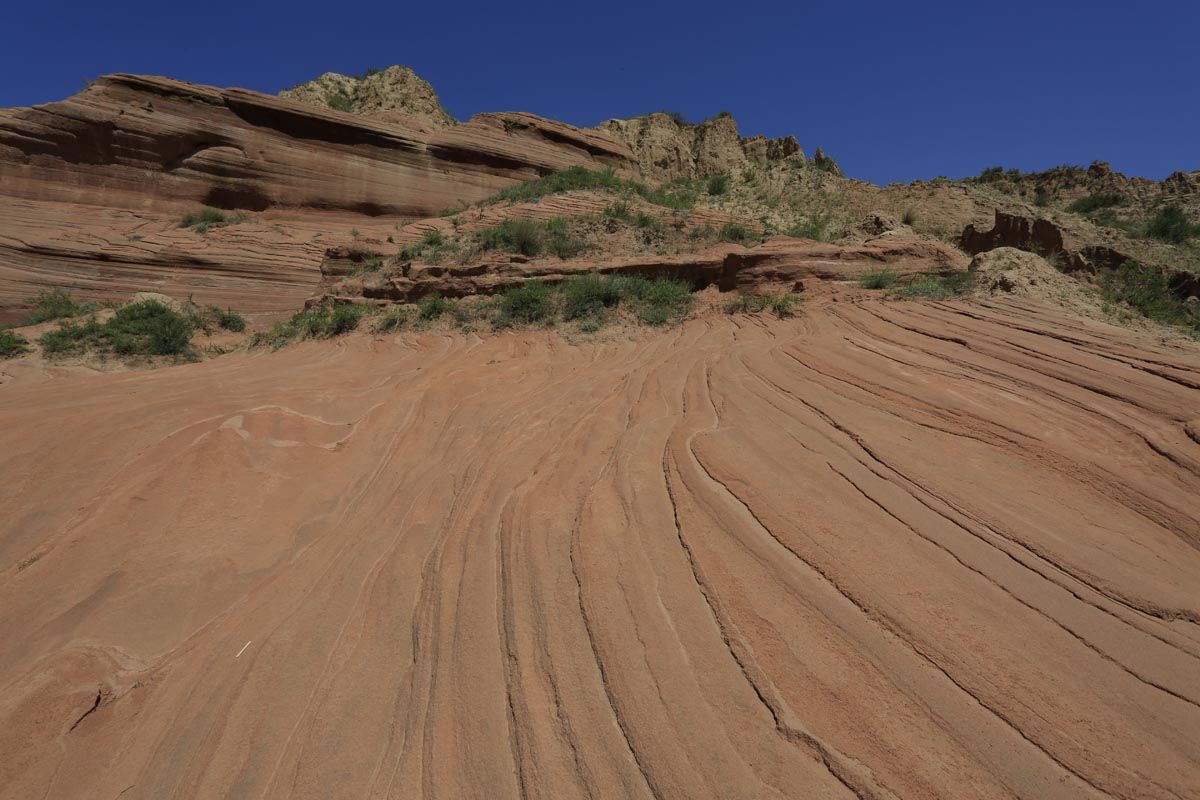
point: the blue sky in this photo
(894, 91)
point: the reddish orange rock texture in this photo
(882, 549)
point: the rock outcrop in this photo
(781, 263)
(395, 90)
(787, 261)
(666, 148)
(153, 143)
(1041, 236)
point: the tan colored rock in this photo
(665, 149)
(786, 261)
(395, 89)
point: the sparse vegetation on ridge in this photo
(1147, 290)
(677, 195)
(1094, 202)
(531, 238)
(320, 322)
(935, 287)
(1171, 225)
(781, 305)
(57, 304)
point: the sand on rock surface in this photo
(880, 550)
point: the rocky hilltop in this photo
(667, 147)
(394, 94)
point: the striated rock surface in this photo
(666, 149)
(788, 260)
(883, 550)
(145, 143)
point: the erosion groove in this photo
(878, 550)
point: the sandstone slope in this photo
(883, 550)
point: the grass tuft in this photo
(880, 279)
(12, 344)
(781, 305)
(57, 304)
(935, 287)
(717, 184)
(320, 322)
(1095, 202)
(201, 221)
(1171, 225)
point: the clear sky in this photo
(894, 91)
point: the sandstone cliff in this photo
(148, 143)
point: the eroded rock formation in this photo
(1041, 236)
(395, 90)
(141, 143)
(666, 148)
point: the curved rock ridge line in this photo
(782, 264)
(880, 550)
(139, 142)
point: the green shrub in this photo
(617, 211)
(643, 220)
(560, 241)
(433, 307)
(517, 235)
(782, 305)
(991, 175)
(1171, 225)
(717, 184)
(340, 100)
(815, 227)
(201, 221)
(880, 279)
(526, 304)
(660, 300)
(169, 334)
(935, 287)
(910, 216)
(145, 328)
(433, 238)
(1094, 202)
(588, 295)
(590, 325)
(655, 301)
(562, 181)
(12, 344)
(319, 322)
(1041, 198)
(1148, 290)
(394, 318)
(228, 319)
(56, 304)
(735, 232)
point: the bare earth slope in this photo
(881, 550)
